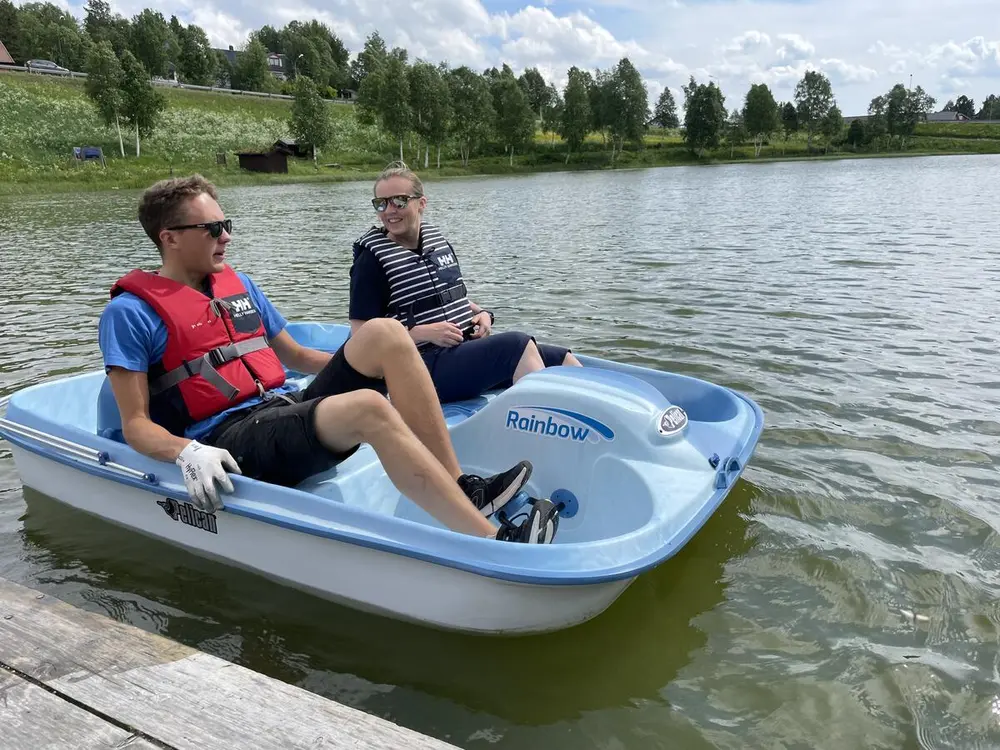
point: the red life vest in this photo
(217, 353)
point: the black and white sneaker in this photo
(492, 493)
(538, 527)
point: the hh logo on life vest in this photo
(242, 313)
(241, 305)
(561, 424)
(446, 261)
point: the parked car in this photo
(45, 65)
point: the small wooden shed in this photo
(270, 161)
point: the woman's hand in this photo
(443, 334)
(483, 325)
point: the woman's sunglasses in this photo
(399, 201)
(214, 227)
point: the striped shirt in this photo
(399, 277)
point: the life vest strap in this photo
(206, 366)
(430, 302)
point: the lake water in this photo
(846, 593)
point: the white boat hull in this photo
(368, 579)
(635, 459)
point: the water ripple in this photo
(846, 596)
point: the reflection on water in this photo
(845, 595)
(624, 657)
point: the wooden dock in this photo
(78, 680)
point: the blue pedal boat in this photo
(636, 458)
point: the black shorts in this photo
(276, 441)
(478, 365)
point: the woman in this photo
(406, 269)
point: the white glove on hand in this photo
(202, 466)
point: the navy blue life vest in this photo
(425, 285)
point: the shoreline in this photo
(228, 177)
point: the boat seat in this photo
(458, 411)
(109, 421)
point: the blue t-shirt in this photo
(132, 336)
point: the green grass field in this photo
(42, 119)
(959, 129)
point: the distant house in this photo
(230, 54)
(276, 64)
(349, 94)
(943, 116)
(5, 58)
(946, 116)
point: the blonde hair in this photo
(399, 169)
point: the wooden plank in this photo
(174, 694)
(32, 718)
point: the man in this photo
(407, 270)
(195, 354)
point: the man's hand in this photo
(483, 325)
(443, 334)
(202, 466)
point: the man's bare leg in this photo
(366, 417)
(382, 349)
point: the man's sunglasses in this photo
(399, 201)
(214, 227)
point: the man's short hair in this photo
(162, 204)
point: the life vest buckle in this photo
(217, 357)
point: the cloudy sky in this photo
(863, 46)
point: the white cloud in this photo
(973, 56)
(668, 66)
(783, 75)
(954, 86)
(535, 34)
(794, 48)
(749, 42)
(881, 48)
(843, 72)
(221, 28)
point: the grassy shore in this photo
(42, 119)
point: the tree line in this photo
(45, 31)
(171, 48)
(438, 104)
(426, 106)
(989, 110)
(891, 118)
